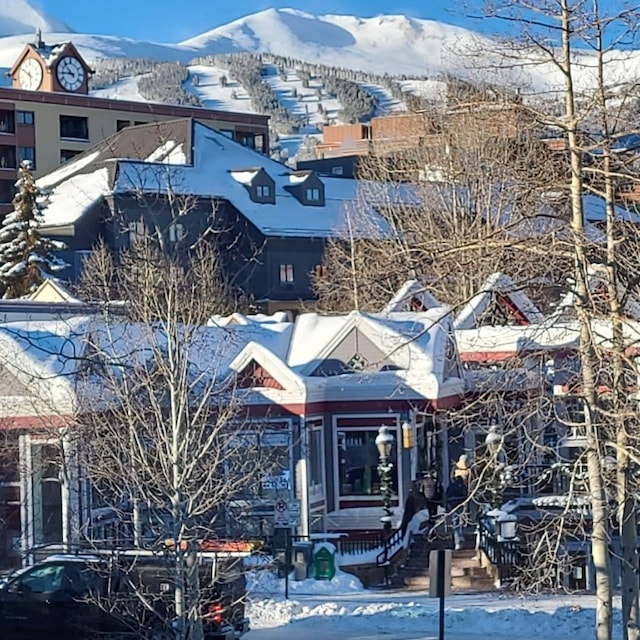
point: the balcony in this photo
(7, 157)
(7, 122)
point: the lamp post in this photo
(493, 440)
(384, 443)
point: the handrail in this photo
(390, 543)
(505, 555)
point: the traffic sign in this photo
(281, 513)
(294, 513)
(286, 513)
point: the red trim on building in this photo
(37, 422)
(512, 309)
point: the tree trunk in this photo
(599, 512)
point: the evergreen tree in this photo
(25, 256)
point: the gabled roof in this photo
(254, 351)
(417, 343)
(52, 291)
(412, 296)
(517, 301)
(189, 158)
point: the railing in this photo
(505, 555)
(359, 544)
(352, 545)
(390, 546)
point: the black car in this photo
(87, 596)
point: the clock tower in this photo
(50, 67)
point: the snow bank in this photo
(346, 603)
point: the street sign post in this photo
(440, 581)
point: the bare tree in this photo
(164, 431)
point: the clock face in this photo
(30, 74)
(70, 73)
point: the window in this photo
(321, 271)
(263, 191)
(7, 157)
(46, 579)
(258, 143)
(316, 459)
(227, 133)
(176, 232)
(75, 127)
(139, 122)
(67, 154)
(337, 171)
(137, 231)
(26, 117)
(286, 273)
(7, 122)
(248, 141)
(122, 124)
(28, 154)
(313, 194)
(358, 460)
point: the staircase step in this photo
(466, 583)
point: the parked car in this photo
(88, 596)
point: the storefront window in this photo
(316, 460)
(358, 460)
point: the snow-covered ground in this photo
(342, 609)
(123, 89)
(210, 89)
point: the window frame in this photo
(310, 194)
(77, 120)
(31, 160)
(287, 274)
(263, 190)
(22, 115)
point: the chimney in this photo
(39, 42)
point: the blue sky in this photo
(175, 20)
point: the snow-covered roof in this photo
(502, 284)
(73, 197)
(412, 296)
(44, 355)
(211, 169)
(209, 176)
(415, 342)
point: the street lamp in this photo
(384, 443)
(493, 440)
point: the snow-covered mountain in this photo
(392, 43)
(21, 16)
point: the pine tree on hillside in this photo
(26, 257)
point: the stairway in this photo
(467, 574)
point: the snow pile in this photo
(266, 583)
(314, 605)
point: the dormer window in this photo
(306, 187)
(258, 183)
(313, 195)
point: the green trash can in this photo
(324, 562)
